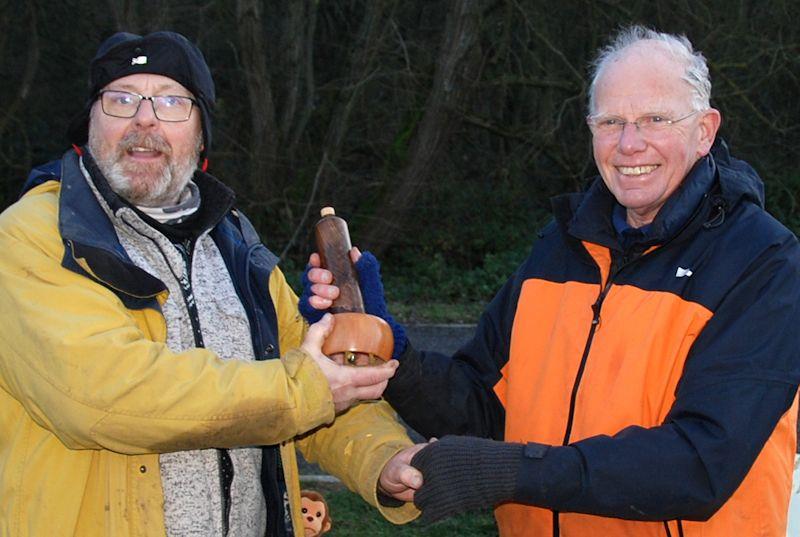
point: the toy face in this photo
(315, 520)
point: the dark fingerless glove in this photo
(463, 472)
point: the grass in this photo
(354, 517)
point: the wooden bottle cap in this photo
(327, 211)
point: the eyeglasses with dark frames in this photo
(125, 104)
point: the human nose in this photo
(146, 113)
(631, 139)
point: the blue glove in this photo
(309, 312)
(369, 279)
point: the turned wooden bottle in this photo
(355, 333)
(333, 246)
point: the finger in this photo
(362, 359)
(338, 358)
(318, 331)
(314, 260)
(372, 374)
(406, 495)
(325, 291)
(320, 275)
(319, 303)
(371, 392)
(409, 476)
(355, 254)
(403, 482)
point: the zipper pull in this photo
(596, 312)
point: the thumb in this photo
(374, 374)
(411, 477)
(317, 333)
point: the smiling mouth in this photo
(636, 170)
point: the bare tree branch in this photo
(311, 198)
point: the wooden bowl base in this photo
(359, 333)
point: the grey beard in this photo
(159, 194)
(162, 192)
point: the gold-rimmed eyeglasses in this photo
(648, 125)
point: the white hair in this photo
(678, 46)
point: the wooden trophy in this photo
(361, 337)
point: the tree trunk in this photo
(263, 129)
(362, 63)
(455, 75)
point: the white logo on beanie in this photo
(139, 60)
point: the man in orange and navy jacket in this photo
(638, 374)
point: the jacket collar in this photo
(91, 247)
(217, 200)
(719, 178)
(81, 218)
(738, 180)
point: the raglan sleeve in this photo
(98, 375)
(738, 389)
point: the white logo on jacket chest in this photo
(683, 272)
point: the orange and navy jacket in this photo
(662, 376)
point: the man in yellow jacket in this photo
(154, 373)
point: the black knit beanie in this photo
(161, 53)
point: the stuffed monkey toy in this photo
(316, 517)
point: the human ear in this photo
(707, 130)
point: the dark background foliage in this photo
(438, 128)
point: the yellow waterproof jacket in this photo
(90, 395)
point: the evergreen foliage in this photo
(438, 128)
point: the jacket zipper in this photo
(574, 396)
(626, 260)
(223, 457)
